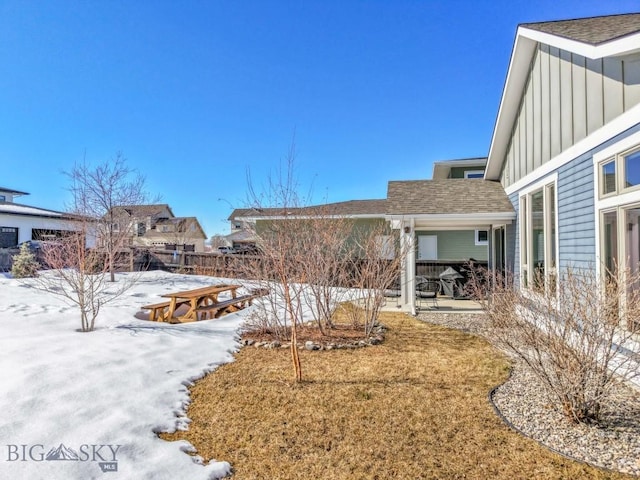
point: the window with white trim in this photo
(620, 174)
(538, 238)
(617, 173)
(474, 174)
(482, 237)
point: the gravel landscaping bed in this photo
(523, 403)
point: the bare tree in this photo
(98, 192)
(578, 336)
(279, 265)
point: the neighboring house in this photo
(156, 226)
(19, 222)
(246, 223)
(566, 146)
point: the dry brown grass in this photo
(413, 407)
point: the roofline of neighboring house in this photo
(524, 47)
(306, 217)
(45, 214)
(16, 193)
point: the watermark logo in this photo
(106, 456)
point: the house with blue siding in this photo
(561, 184)
(566, 147)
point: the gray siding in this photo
(566, 98)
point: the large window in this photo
(538, 254)
(617, 169)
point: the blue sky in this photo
(196, 93)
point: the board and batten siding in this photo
(567, 97)
(457, 245)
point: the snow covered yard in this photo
(79, 405)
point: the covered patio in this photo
(448, 206)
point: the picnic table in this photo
(200, 303)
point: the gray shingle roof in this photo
(593, 30)
(144, 210)
(446, 197)
(350, 207)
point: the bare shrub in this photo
(374, 266)
(80, 272)
(580, 338)
(80, 275)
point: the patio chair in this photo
(393, 292)
(427, 289)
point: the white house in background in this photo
(19, 222)
(566, 146)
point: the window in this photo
(538, 256)
(631, 169)
(618, 215)
(474, 174)
(482, 237)
(608, 177)
(3, 198)
(620, 174)
(142, 229)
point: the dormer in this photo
(459, 168)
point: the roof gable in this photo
(594, 38)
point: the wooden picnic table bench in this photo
(234, 304)
(159, 311)
(201, 303)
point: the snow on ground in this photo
(100, 396)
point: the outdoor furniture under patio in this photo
(451, 283)
(427, 289)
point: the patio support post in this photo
(408, 273)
